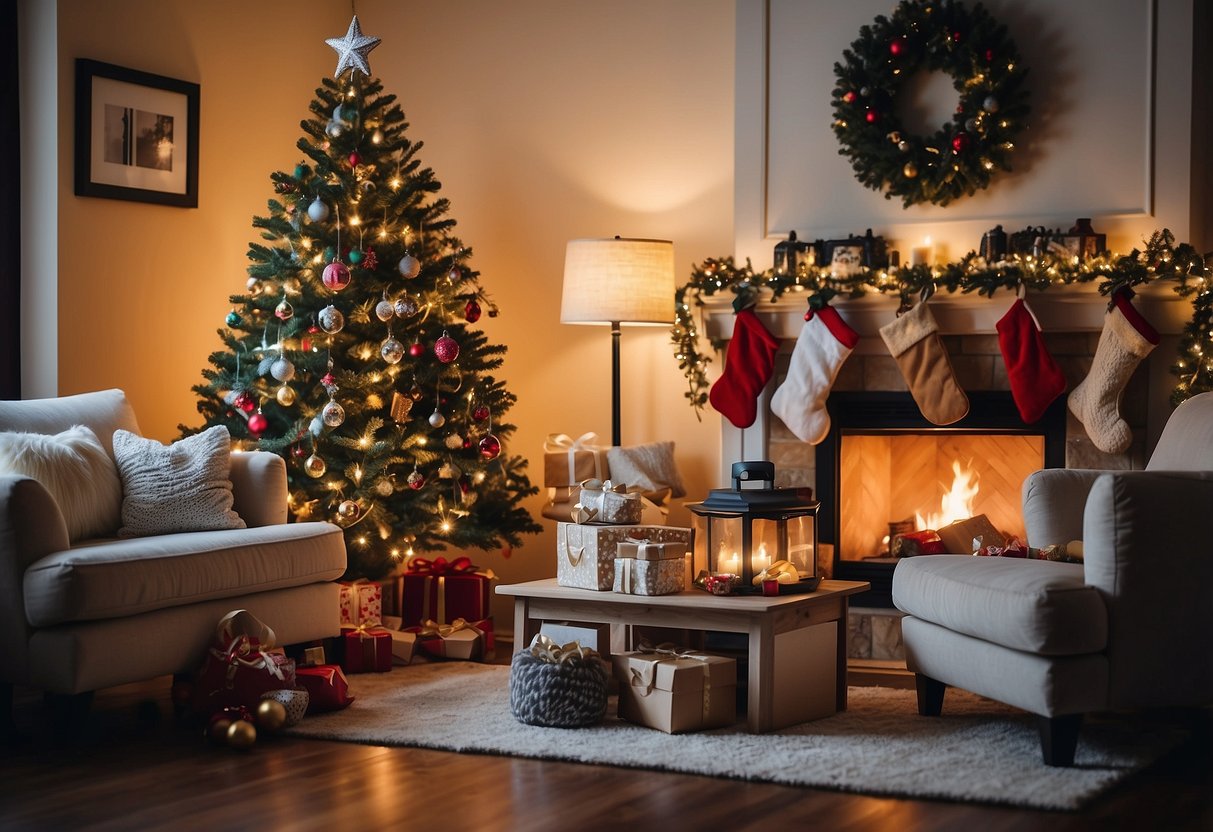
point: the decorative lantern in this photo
(1082, 240)
(744, 531)
(790, 253)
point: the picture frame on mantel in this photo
(136, 135)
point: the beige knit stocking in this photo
(1123, 343)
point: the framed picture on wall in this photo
(136, 135)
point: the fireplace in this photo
(884, 469)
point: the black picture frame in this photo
(868, 251)
(130, 128)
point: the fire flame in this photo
(956, 503)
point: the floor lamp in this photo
(618, 281)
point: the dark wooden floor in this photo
(136, 767)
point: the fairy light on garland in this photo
(1161, 259)
(961, 156)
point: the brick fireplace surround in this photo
(1071, 319)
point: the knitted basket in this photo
(566, 694)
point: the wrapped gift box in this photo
(467, 640)
(404, 643)
(361, 603)
(606, 503)
(677, 692)
(366, 650)
(647, 568)
(585, 555)
(326, 687)
(568, 461)
(443, 591)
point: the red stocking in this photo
(1036, 380)
(749, 362)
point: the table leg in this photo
(760, 684)
(525, 628)
(840, 674)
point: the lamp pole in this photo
(615, 427)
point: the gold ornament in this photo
(910, 170)
(241, 735)
(286, 396)
(271, 715)
(401, 405)
(216, 732)
(348, 510)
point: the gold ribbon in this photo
(667, 652)
(544, 648)
(432, 628)
(588, 441)
(441, 594)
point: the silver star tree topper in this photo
(353, 50)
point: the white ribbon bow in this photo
(588, 441)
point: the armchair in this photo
(77, 616)
(1127, 628)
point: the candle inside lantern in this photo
(923, 254)
(760, 560)
(730, 564)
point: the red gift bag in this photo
(238, 674)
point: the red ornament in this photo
(336, 276)
(897, 46)
(490, 447)
(989, 55)
(956, 37)
(465, 484)
(481, 412)
(298, 451)
(355, 159)
(849, 96)
(257, 423)
(871, 116)
(446, 349)
(328, 380)
(960, 143)
(416, 349)
(371, 260)
(245, 401)
(472, 311)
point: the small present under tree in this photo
(353, 352)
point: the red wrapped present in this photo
(471, 641)
(366, 650)
(361, 603)
(326, 687)
(443, 590)
(237, 675)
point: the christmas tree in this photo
(353, 354)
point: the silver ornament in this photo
(353, 49)
(314, 466)
(971, 125)
(366, 185)
(330, 319)
(406, 307)
(437, 420)
(284, 311)
(318, 211)
(391, 350)
(903, 146)
(409, 266)
(282, 369)
(384, 310)
(334, 129)
(384, 488)
(990, 105)
(333, 414)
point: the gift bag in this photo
(239, 674)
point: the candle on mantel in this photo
(922, 255)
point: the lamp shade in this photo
(618, 280)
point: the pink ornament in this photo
(416, 349)
(897, 46)
(490, 447)
(336, 276)
(481, 412)
(257, 423)
(328, 379)
(245, 401)
(354, 160)
(446, 349)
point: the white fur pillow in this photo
(183, 487)
(74, 467)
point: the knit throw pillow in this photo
(74, 467)
(182, 487)
(648, 467)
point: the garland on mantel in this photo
(1162, 259)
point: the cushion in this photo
(1037, 606)
(105, 411)
(649, 468)
(183, 487)
(74, 467)
(120, 578)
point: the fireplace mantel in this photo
(1061, 309)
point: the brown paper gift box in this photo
(585, 555)
(677, 694)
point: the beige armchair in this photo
(1127, 628)
(75, 617)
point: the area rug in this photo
(979, 750)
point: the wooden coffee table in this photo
(797, 643)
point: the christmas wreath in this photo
(960, 157)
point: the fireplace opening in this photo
(893, 485)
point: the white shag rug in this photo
(979, 750)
